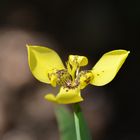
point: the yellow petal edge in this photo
(65, 96)
(107, 67)
(42, 60)
(78, 60)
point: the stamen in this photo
(65, 80)
(84, 78)
(63, 77)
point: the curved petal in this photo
(107, 67)
(67, 96)
(42, 60)
(84, 78)
(50, 97)
(78, 60)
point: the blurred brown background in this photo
(88, 28)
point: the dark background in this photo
(88, 28)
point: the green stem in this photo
(82, 131)
(76, 120)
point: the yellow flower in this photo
(46, 66)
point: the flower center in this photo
(64, 78)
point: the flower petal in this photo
(78, 60)
(84, 78)
(42, 60)
(67, 96)
(107, 67)
(50, 97)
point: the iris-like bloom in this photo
(46, 66)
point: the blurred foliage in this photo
(66, 123)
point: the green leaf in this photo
(65, 123)
(82, 131)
